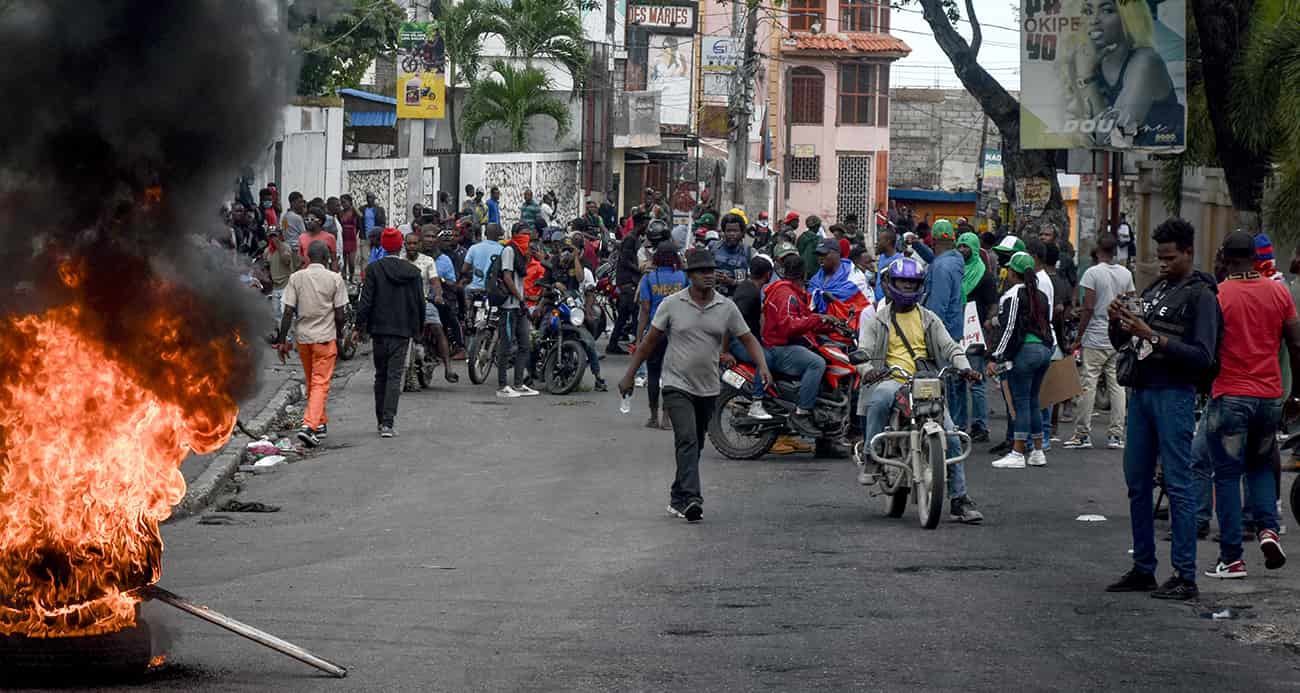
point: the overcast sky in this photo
(928, 66)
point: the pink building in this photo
(832, 122)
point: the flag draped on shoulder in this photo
(842, 294)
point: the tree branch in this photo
(976, 34)
(996, 102)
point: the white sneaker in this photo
(507, 392)
(756, 411)
(1012, 460)
(1037, 458)
(639, 382)
(525, 391)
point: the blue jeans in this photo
(1203, 475)
(742, 355)
(1025, 379)
(799, 361)
(1160, 424)
(879, 403)
(1240, 432)
(957, 388)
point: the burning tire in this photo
(88, 658)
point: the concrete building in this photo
(833, 108)
(934, 139)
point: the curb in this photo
(205, 488)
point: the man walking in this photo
(391, 311)
(316, 296)
(1246, 404)
(1102, 284)
(699, 320)
(514, 328)
(1167, 349)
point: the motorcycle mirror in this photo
(858, 356)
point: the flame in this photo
(157, 661)
(94, 425)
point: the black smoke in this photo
(125, 125)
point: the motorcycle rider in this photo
(787, 319)
(731, 254)
(904, 333)
(565, 269)
(762, 233)
(435, 295)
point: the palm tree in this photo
(511, 101)
(1266, 108)
(545, 29)
(462, 26)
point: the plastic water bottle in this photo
(625, 406)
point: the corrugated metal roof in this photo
(368, 96)
(372, 119)
(854, 43)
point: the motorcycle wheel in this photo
(728, 441)
(481, 355)
(930, 487)
(564, 368)
(1295, 497)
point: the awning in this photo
(930, 195)
(369, 96)
(372, 119)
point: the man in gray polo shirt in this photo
(700, 323)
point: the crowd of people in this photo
(1194, 370)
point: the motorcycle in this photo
(481, 346)
(558, 359)
(911, 453)
(348, 346)
(739, 437)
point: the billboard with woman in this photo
(1103, 74)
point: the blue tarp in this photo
(930, 195)
(372, 119)
(368, 96)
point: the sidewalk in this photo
(270, 377)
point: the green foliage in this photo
(519, 94)
(545, 29)
(338, 43)
(463, 26)
(1266, 105)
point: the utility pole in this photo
(979, 172)
(741, 108)
(415, 141)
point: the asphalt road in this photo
(524, 546)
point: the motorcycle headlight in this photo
(927, 389)
(576, 317)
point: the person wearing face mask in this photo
(979, 287)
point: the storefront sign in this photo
(672, 18)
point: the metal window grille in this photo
(805, 169)
(855, 183)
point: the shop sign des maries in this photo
(669, 18)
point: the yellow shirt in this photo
(897, 354)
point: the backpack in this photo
(493, 283)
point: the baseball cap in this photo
(943, 231)
(784, 249)
(792, 217)
(1239, 244)
(1021, 262)
(1009, 244)
(826, 246)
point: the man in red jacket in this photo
(787, 318)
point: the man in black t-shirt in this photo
(748, 297)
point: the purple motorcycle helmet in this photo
(911, 276)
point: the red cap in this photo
(391, 240)
(791, 217)
(762, 215)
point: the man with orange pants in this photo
(316, 295)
